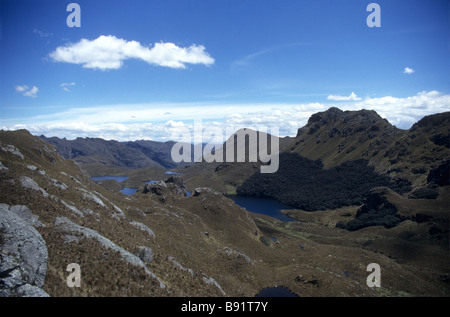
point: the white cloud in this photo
(26, 91)
(352, 97)
(109, 52)
(147, 121)
(21, 88)
(403, 112)
(408, 71)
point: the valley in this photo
(360, 191)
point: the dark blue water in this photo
(263, 205)
(277, 291)
(128, 191)
(119, 179)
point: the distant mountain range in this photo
(93, 153)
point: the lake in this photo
(119, 179)
(263, 205)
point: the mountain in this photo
(335, 136)
(226, 174)
(338, 156)
(99, 156)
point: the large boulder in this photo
(23, 257)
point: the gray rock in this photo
(156, 188)
(145, 254)
(3, 167)
(177, 185)
(143, 227)
(27, 182)
(173, 185)
(201, 190)
(90, 196)
(12, 149)
(26, 214)
(73, 209)
(23, 257)
(28, 290)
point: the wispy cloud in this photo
(65, 86)
(247, 59)
(109, 52)
(352, 97)
(42, 33)
(408, 71)
(26, 91)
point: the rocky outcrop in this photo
(173, 185)
(23, 255)
(27, 182)
(202, 190)
(11, 149)
(25, 213)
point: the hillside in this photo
(126, 246)
(337, 157)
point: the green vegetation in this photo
(304, 184)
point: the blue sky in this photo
(139, 69)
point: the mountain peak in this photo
(333, 115)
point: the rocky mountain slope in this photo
(335, 136)
(337, 157)
(137, 246)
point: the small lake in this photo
(263, 205)
(277, 291)
(127, 190)
(119, 179)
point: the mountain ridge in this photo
(96, 153)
